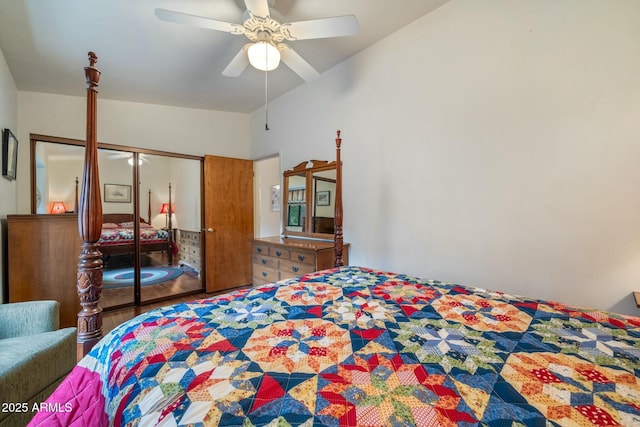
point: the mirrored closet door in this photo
(154, 257)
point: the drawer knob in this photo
(278, 253)
(295, 269)
(264, 261)
(259, 250)
(264, 274)
(301, 257)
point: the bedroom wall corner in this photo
(8, 189)
(502, 155)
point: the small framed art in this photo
(323, 198)
(117, 193)
(9, 155)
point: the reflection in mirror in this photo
(310, 189)
(324, 194)
(169, 181)
(57, 166)
(116, 242)
(296, 203)
(169, 251)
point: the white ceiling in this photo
(143, 59)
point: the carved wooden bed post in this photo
(89, 282)
(338, 208)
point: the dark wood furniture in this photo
(89, 278)
(39, 266)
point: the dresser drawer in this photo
(265, 273)
(304, 257)
(190, 235)
(261, 249)
(274, 258)
(292, 269)
(265, 261)
(279, 252)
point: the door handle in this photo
(210, 230)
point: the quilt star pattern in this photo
(355, 346)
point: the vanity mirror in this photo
(309, 193)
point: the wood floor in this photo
(185, 283)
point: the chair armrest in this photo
(27, 318)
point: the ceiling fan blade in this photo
(198, 21)
(258, 8)
(297, 63)
(238, 63)
(338, 26)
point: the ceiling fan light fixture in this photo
(264, 56)
(130, 161)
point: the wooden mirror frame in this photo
(306, 168)
(35, 138)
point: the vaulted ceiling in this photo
(144, 59)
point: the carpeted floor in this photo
(148, 276)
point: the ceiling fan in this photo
(129, 156)
(266, 31)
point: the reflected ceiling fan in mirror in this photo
(142, 158)
(265, 29)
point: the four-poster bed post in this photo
(339, 243)
(89, 278)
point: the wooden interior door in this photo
(228, 222)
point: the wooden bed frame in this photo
(117, 218)
(90, 218)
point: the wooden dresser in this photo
(43, 261)
(190, 248)
(276, 258)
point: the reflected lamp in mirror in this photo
(165, 210)
(58, 208)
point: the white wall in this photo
(8, 193)
(172, 129)
(491, 143)
(267, 174)
(186, 195)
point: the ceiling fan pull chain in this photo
(266, 101)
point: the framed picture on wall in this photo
(323, 198)
(9, 155)
(117, 193)
(275, 198)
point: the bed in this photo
(349, 346)
(117, 235)
(358, 347)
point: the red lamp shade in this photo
(58, 208)
(165, 208)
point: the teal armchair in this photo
(35, 355)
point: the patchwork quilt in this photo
(358, 347)
(120, 235)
